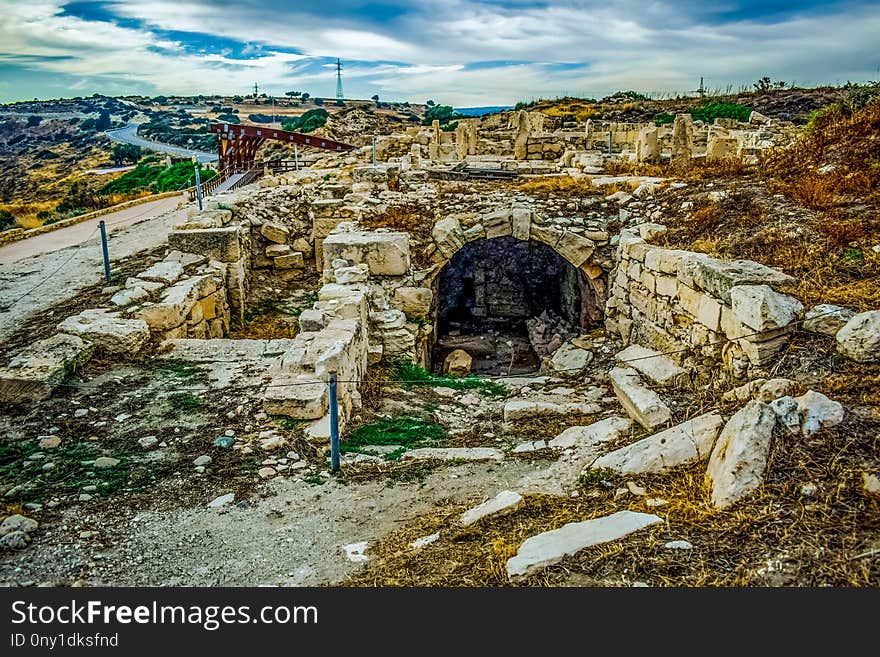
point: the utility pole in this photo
(339, 95)
(702, 89)
(256, 89)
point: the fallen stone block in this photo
(506, 501)
(35, 371)
(817, 412)
(688, 442)
(453, 454)
(859, 339)
(594, 434)
(651, 364)
(221, 244)
(176, 303)
(548, 548)
(641, 403)
(570, 360)
(826, 318)
(108, 332)
(129, 296)
(737, 464)
(457, 363)
(166, 271)
(761, 308)
(521, 409)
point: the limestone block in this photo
(761, 308)
(523, 409)
(718, 277)
(311, 320)
(175, 304)
(652, 364)
(859, 339)
(110, 333)
(35, 371)
(297, 397)
(737, 464)
(520, 223)
(457, 363)
(641, 403)
(685, 443)
(448, 236)
(497, 224)
(166, 272)
(415, 302)
(274, 250)
(505, 502)
(580, 437)
(221, 244)
(575, 248)
(826, 318)
(386, 254)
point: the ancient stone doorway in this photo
(509, 302)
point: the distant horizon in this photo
(464, 53)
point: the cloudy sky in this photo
(459, 52)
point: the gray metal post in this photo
(334, 424)
(106, 251)
(610, 141)
(296, 157)
(198, 187)
(375, 139)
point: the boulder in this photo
(548, 548)
(594, 434)
(737, 464)
(817, 411)
(688, 442)
(18, 523)
(761, 308)
(827, 319)
(570, 360)
(457, 363)
(108, 332)
(859, 339)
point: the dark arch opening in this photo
(509, 302)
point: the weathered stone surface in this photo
(129, 296)
(448, 236)
(163, 272)
(641, 403)
(505, 502)
(457, 363)
(737, 464)
(594, 434)
(311, 320)
(415, 302)
(787, 414)
(817, 411)
(298, 397)
(774, 389)
(274, 250)
(221, 244)
(105, 462)
(275, 232)
(548, 548)
(687, 442)
(386, 254)
(826, 318)
(859, 339)
(521, 409)
(18, 523)
(651, 364)
(454, 454)
(292, 260)
(176, 303)
(761, 308)
(15, 540)
(570, 360)
(109, 333)
(718, 277)
(355, 274)
(34, 372)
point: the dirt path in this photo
(41, 271)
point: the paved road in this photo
(41, 271)
(128, 135)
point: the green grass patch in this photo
(155, 177)
(410, 374)
(708, 112)
(407, 432)
(180, 369)
(183, 401)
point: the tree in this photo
(305, 96)
(442, 113)
(375, 98)
(126, 153)
(764, 84)
(293, 94)
(430, 103)
(318, 101)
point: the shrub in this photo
(7, 221)
(308, 122)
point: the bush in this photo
(442, 113)
(7, 221)
(708, 112)
(308, 122)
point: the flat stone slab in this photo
(506, 501)
(599, 432)
(519, 409)
(109, 332)
(687, 442)
(548, 548)
(454, 454)
(222, 349)
(641, 403)
(35, 371)
(718, 277)
(386, 254)
(299, 397)
(651, 364)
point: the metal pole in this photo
(198, 187)
(375, 139)
(296, 157)
(106, 251)
(610, 141)
(334, 424)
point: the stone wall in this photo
(719, 311)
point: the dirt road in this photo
(40, 271)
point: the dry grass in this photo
(774, 537)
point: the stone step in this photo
(640, 402)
